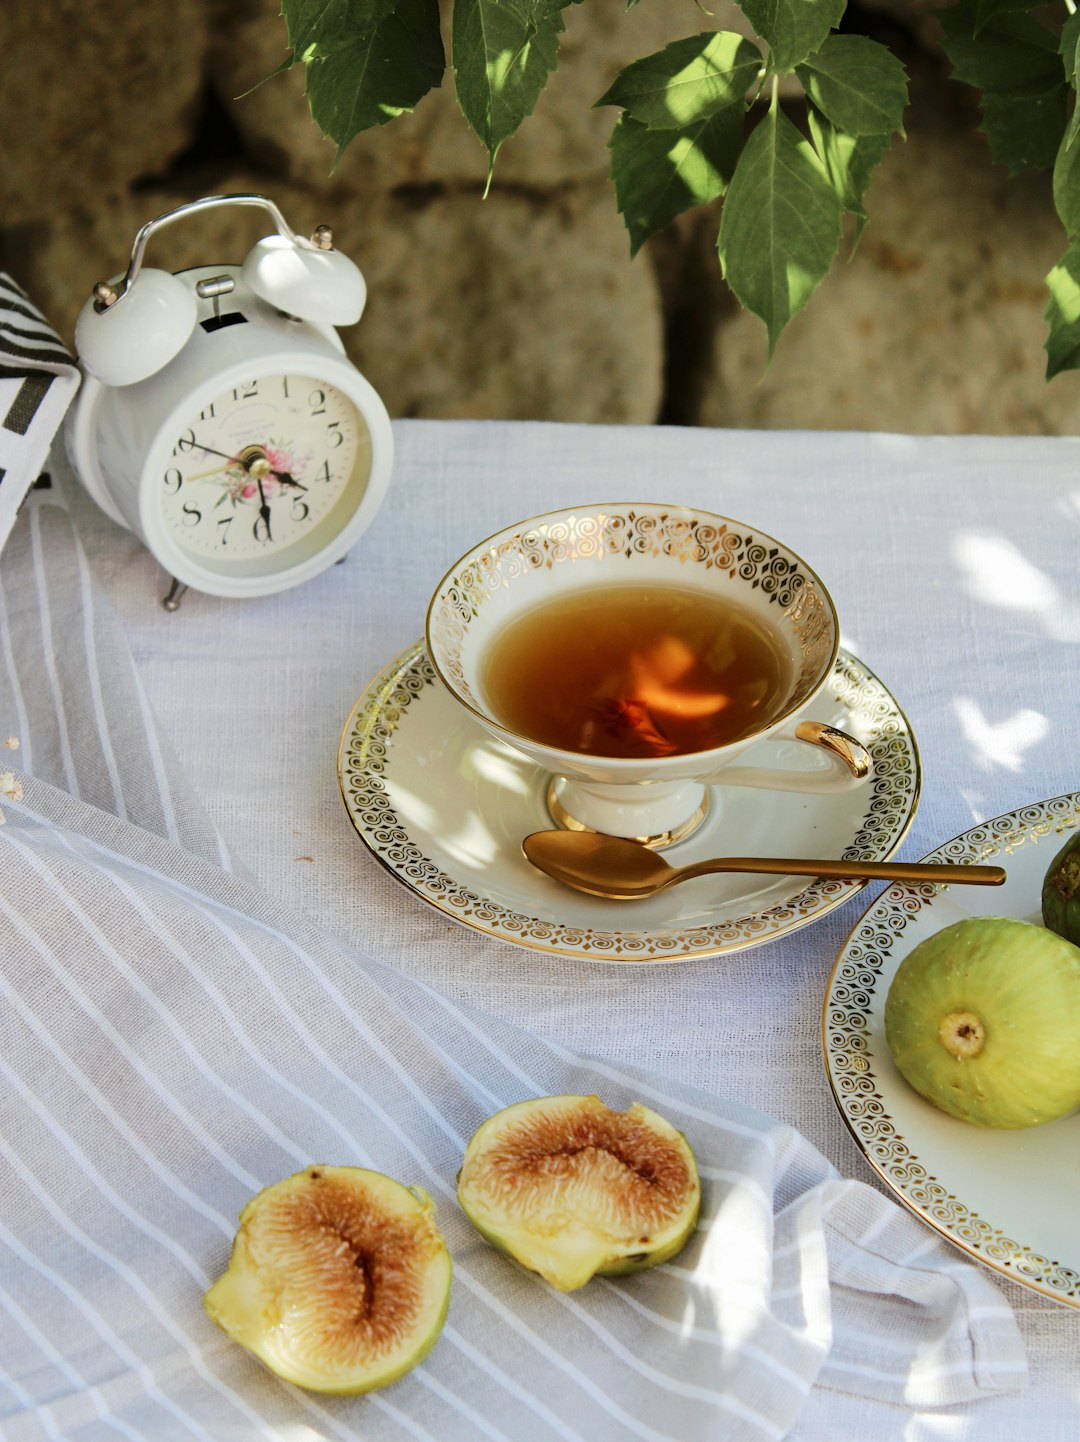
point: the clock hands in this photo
(202, 475)
(264, 509)
(198, 446)
(287, 480)
(253, 461)
(253, 454)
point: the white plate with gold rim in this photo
(1007, 1198)
(444, 807)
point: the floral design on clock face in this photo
(261, 467)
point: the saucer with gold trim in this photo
(444, 807)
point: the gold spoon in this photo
(624, 870)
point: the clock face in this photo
(267, 473)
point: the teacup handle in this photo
(850, 763)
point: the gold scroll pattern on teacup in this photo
(591, 539)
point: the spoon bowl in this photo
(623, 870)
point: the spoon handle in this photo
(850, 870)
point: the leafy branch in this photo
(1026, 75)
(700, 120)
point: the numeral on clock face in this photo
(251, 474)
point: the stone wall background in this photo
(526, 304)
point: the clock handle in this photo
(107, 293)
(304, 278)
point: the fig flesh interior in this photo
(339, 1279)
(570, 1188)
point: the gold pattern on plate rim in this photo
(364, 756)
(845, 1041)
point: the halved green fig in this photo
(1061, 892)
(571, 1189)
(339, 1279)
(983, 1020)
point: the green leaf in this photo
(781, 224)
(1063, 314)
(367, 60)
(660, 173)
(315, 24)
(1070, 57)
(857, 84)
(1015, 62)
(1067, 188)
(688, 80)
(849, 161)
(1024, 131)
(504, 51)
(792, 29)
(1067, 49)
(1009, 54)
(986, 11)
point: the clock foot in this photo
(171, 598)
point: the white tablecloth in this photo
(953, 564)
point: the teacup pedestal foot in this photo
(656, 814)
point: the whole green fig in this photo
(983, 1019)
(1061, 892)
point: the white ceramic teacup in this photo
(657, 798)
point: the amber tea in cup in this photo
(636, 671)
(634, 653)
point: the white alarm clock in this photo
(219, 419)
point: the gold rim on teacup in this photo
(582, 547)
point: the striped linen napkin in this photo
(172, 1039)
(38, 380)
